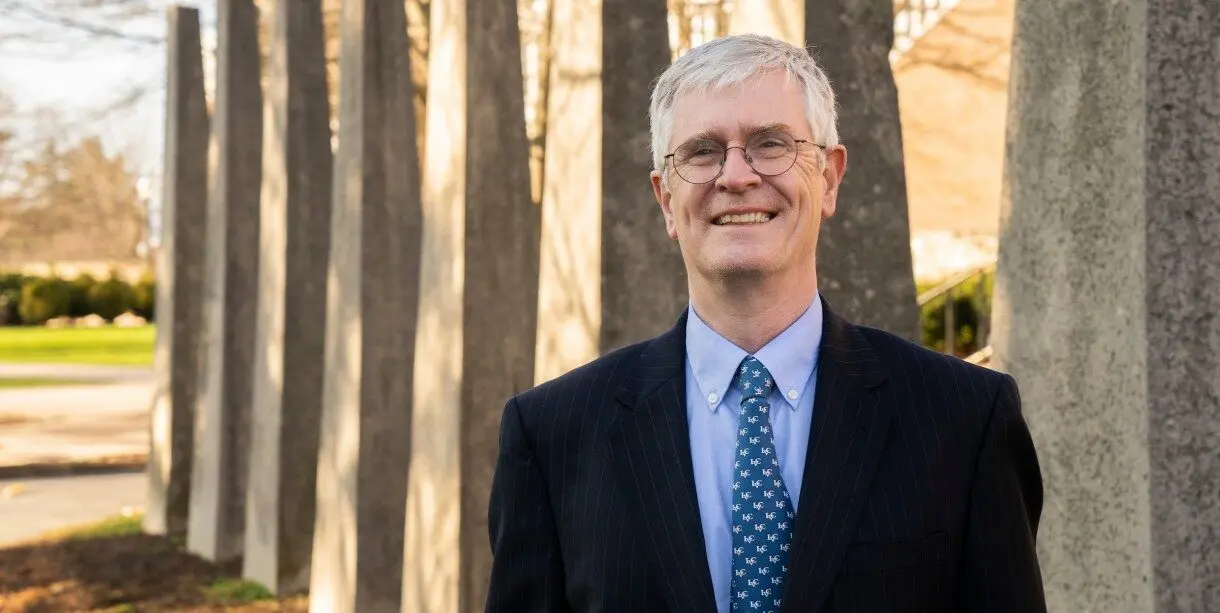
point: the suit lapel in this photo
(650, 445)
(846, 439)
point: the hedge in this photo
(111, 298)
(144, 296)
(108, 299)
(28, 300)
(10, 298)
(79, 290)
(971, 310)
(43, 300)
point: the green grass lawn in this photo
(117, 525)
(106, 346)
(15, 382)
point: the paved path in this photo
(76, 422)
(79, 372)
(106, 417)
(31, 507)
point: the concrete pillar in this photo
(643, 279)
(864, 252)
(478, 298)
(783, 19)
(295, 249)
(569, 291)
(230, 299)
(609, 275)
(1107, 291)
(179, 262)
(372, 303)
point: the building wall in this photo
(128, 270)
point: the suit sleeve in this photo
(1001, 563)
(526, 569)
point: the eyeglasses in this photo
(768, 153)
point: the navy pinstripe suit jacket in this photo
(921, 492)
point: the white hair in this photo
(728, 61)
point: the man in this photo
(764, 454)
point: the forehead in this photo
(734, 112)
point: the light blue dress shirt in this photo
(711, 413)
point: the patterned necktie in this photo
(762, 512)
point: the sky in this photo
(73, 76)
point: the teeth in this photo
(743, 219)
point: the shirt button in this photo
(792, 394)
(712, 398)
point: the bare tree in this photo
(970, 41)
(95, 19)
(8, 172)
(63, 30)
(73, 203)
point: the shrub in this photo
(145, 293)
(971, 308)
(44, 299)
(111, 298)
(10, 298)
(8, 309)
(11, 280)
(78, 290)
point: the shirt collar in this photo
(790, 357)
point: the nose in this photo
(737, 174)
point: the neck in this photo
(751, 312)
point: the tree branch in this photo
(14, 7)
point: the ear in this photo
(832, 178)
(663, 196)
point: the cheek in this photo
(801, 194)
(685, 206)
(811, 190)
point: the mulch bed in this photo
(116, 574)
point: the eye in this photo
(700, 153)
(770, 139)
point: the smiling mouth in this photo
(743, 220)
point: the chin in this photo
(741, 268)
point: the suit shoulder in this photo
(598, 377)
(898, 354)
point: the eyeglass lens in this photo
(768, 153)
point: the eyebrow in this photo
(751, 131)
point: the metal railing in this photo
(953, 288)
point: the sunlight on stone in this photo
(569, 295)
(434, 493)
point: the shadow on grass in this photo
(110, 566)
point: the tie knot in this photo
(752, 379)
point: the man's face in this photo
(793, 203)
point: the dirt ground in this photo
(122, 574)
